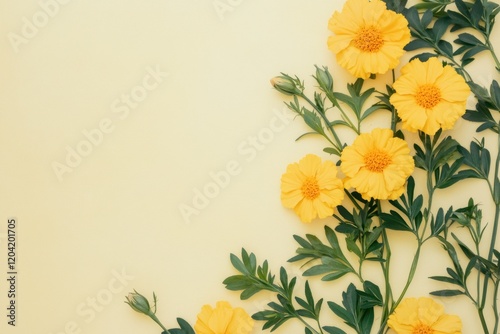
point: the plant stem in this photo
(388, 300)
(495, 190)
(495, 306)
(155, 318)
(309, 326)
(413, 270)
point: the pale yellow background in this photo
(117, 213)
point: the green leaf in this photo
(437, 223)
(237, 282)
(333, 330)
(446, 279)
(495, 94)
(476, 12)
(447, 293)
(313, 121)
(446, 48)
(397, 6)
(356, 317)
(334, 242)
(306, 134)
(394, 221)
(371, 296)
(462, 7)
(426, 18)
(440, 27)
(459, 21)
(238, 264)
(353, 247)
(331, 150)
(466, 38)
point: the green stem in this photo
(353, 200)
(492, 52)
(335, 103)
(312, 329)
(394, 115)
(483, 320)
(495, 306)
(388, 298)
(155, 318)
(413, 270)
(492, 243)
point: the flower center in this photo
(369, 39)
(428, 96)
(376, 160)
(310, 188)
(422, 329)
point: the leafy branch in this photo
(254, 278)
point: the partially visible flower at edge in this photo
(377, 165)
(223, 319)
(423, 315)
(311, 188)
(429, 96)
(368, 38)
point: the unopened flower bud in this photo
(285, 85)
(324, 79)
(138, 303)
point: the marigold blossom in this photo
(429, 96)
(377, 165)
(223, 319)
(368, 38)
(311, 188)
(423, 316)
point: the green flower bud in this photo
(138, 303)
(286, 85)
(324, 79)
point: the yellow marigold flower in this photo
(223, 319)
(311, 188)
(423, 316)
(377, 165)
(368, 38)
(429, 96)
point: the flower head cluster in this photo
(423, 316)
(377, 165)
(429, 96)
(368, 38)
(223, 319)
(311, 187)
